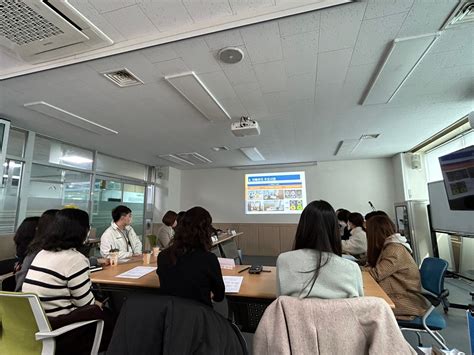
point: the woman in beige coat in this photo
(166, 232)
(390, 263)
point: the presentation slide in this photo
(275, 193)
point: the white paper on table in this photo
(226, 263)
(137, 272)
(121, 261)
(232, 283)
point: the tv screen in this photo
(458, 176)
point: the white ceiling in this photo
(302, 78)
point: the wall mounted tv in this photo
(458, 176)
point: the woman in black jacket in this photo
(187, 268)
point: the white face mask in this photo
(342, 224)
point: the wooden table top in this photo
(257, 286)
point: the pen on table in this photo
(248, 267)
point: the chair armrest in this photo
(436, 300)
(5, 276)
(62, 330)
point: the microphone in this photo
(371, 205)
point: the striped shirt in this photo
(61, 280)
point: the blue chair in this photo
(432, 272)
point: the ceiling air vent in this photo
(43, 30)
(123, 78)
(463, 13)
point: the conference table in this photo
(246, 307)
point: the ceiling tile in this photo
(374, 37)
(332, 66)
(340, 26)
(239, 6)
(160, 53)
(301, 86)
(171, 67)
(165, 15)
(460, 38)
(251, 98)
(131, 22)
(240, 73)
(377, 8)
(202, 10)
(307, 22)
(219, 40)
(426, 17)
(196, 55)
(233, 107)
(107, 5)
(271, 76)
(300, 53)
(276, 102)
(218, 84)
(262, 42)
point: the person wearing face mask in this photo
(120, 235)
(342, 218)
(357, 242)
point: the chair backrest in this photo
(21, 317)
(229, 250)
(432, 273)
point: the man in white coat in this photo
(120, 235)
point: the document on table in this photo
(226, 263)
(137, 272)
(232, 283)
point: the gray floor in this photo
(455, 333)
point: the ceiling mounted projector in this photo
(246, 127)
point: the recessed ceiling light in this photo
(231, 55)
(252, 153)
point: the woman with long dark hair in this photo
(59, 275)
(187, 268)
(34, 246)
(23, 237)
(390, 263)
(315, 267)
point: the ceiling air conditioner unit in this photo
(43, 30)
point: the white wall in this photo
(348, 184)
(168, 192)
(410, 184)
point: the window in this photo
(16, 143)
(51, 187)
(111, 165)
(55, 152)
(9, 189)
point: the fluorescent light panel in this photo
(252, 153)
(175, 159)
(68, 117)
(273, 166)
(402, 59)
(195, 158)
(193, 89)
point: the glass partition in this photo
(9, 188)
(115, 166)
(52, 187)
(108, 194)
(55, 152)
(16, 142)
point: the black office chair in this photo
(246, 312)
(7, 279)
(229, 250)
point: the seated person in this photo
(390, 263)
(342, 218)
(120, 235)
(315, 267)
(373, 214)
(34, 246)
(166, 232)
(357, 243)
(23, 237)
(59, 275)
(187, 268)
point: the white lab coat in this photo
(114, 238)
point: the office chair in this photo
(22, 317)
(432, 272)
